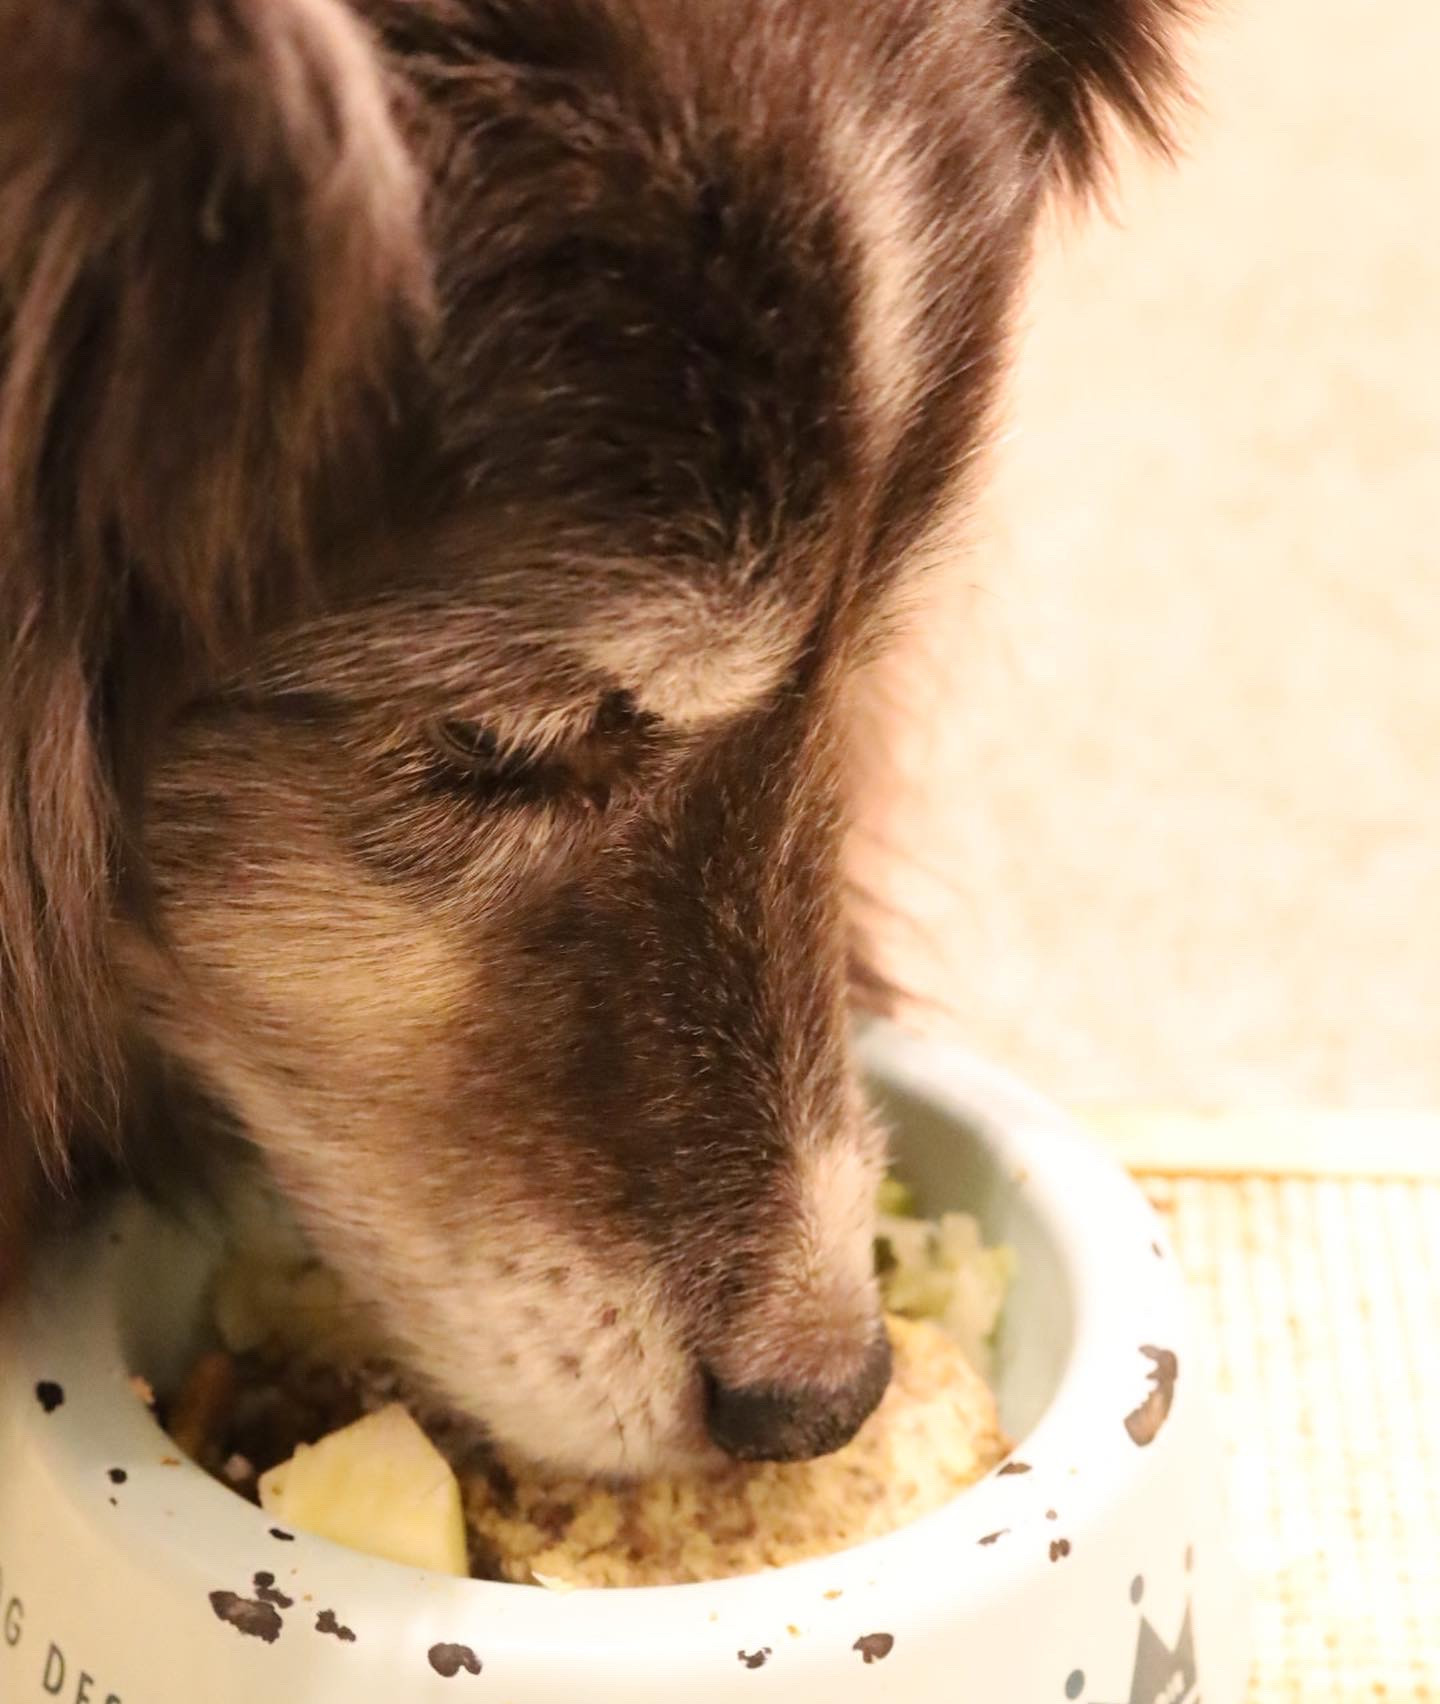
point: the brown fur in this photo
(454, 457)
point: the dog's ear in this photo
(1085, 64)
(210, 260)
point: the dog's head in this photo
(455, 463)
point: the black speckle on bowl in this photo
(1059, 1549)
(448, 1660)
(994, 1537)
(1011, 1468)
(118, 1476)
(266, 1592)
(247, 1615)
(755, 1659)
(282, 1535)
(326, 1622)
(1144, 1423)
(49, 1395)
(874, 1646)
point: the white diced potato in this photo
(379, 1486)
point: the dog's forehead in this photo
(720, 395)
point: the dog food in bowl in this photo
(295, 1414)
(935, 1432)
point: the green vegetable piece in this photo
(895, 1198)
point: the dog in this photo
(458, 462)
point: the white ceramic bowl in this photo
(1093, 1566)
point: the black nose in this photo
(780, 1423)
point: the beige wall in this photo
(1173, 825)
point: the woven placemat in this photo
(1321, 1303)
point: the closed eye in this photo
(476, 749)
(473, 756)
